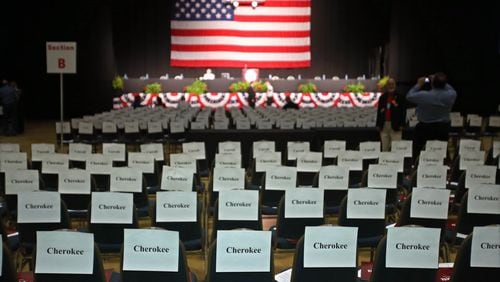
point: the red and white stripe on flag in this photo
(212, 33)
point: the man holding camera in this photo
(433, 109)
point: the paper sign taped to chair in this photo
(109, 207)
(496, 148)
(484, 199)
(412, 247)
(468, 159)
(176, 206)
(99, 164)
(366, 203)
(54, 163)
(13, 161)
(108, 127)
(154, 149)
(141, 161)
(395, 160)
(230, 147)
(428, 158)
(330, 246)
(263, 147)
(74, 181)
(369, 149)
(228, 160)
(267, 161)
(176, 178)
(114, 151)
(309, 162)
(85, 128)
(10, 148)
(480, 174)
(468, 145)
(228, 178)
(432, 176)
(18, 181)
(196, 149)
(333, 177)
(154, 127)
(304, 203)
(79, 151)
(150, 250)
(131, 127)
(294, 148)
(39, 150)
(403, 147)
(281, 178)
(436, 147)
(484, 248)
(350, 159)
(38, 207)
(429, 203)
(125, 179)
(183, 161)
(64, 252)
(382, 176)
(243, 251)
(332, 148)
(238, 205)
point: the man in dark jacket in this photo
(391, 115)
(8, 100)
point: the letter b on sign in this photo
(61, 63)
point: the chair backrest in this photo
(466, 221)
(234, 224)
(181, 275)
(367, 228)
(381, 273)
(213, 276)
(463, 272)
(293, 228)
(320, 274)
(98, 274)
(9, 273)
(405, 219)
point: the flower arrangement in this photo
(117, 83)
(197, 87)
(240, 86)
(308, 87)
(382, 82)
(259, 86)
(354, 88)
(152, 88)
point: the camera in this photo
(427, 80)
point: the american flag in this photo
(213, 33)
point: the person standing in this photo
(433, 109)
(8, 98)
(391, 115)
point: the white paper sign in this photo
(438, 148)
(230, 147)
(38, 207)
(238, 205)
(309, 162)
(108, 127)
(175, 178)
(429, 158)
(13, 161)
(484, 247)
(109, 207)
(154, 127)
(183, 161)
(228, 160)
(382, 176)
(150, 250)
(294, 148)
(142, 162)
(333, 177)
(85, 127)
(264, 124)
(484, 200)
(10, 148)
(176, 206)
(431, 176)
(480, 174)
(154, 149)
(79, 151)
(131, 127)
(474, 120)
(64, 252)
(125, 179)
(494, 121)
(332, 148)
(304, 203)
(114, 151)
(196, 149)
(468, 159)
(350, 159)
(243, 251)
(366, 203)
(496, 148)
(53, 163)
(228, 178)
(330, 246)
(263, 147)
(39, 150)
(456, 119)
(429, 203)
(281, 178)
(197, 125)
(66, 128)
(396, 160)
(267, 161)
(99, 164)
(369, 149)
(412, 247)
(403, 147)
(469, 145)
(61, 57)
(242, 124)
(17, 181)
(74, 181)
